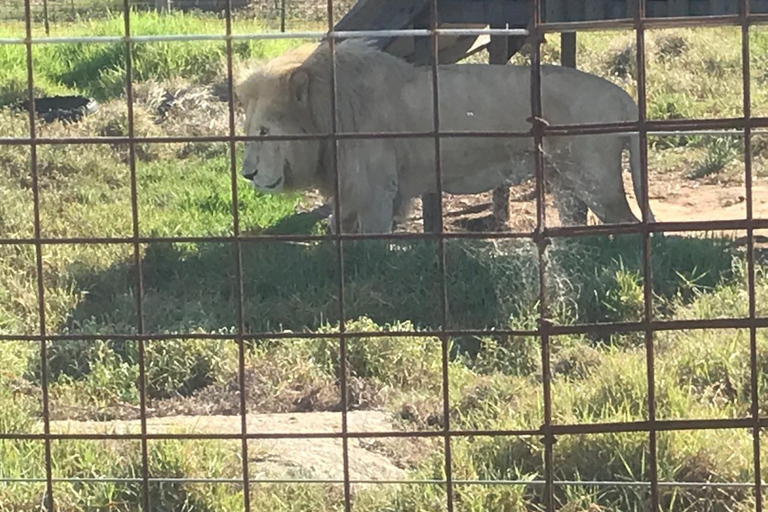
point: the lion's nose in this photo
(251, 175)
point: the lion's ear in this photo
(299, 85)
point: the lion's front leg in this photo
(379, 217)
(369, 184)
(349, 223)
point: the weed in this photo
(720, 152)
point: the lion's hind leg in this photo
(573, 211)
(594, 173)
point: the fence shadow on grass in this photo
(295, 285)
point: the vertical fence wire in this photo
(434, 44)
(647, 269)
(753, 354)
(137, 261)
(48, 500)
(540, 238)
(241, 349)
(333, 146)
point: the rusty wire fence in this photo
(541, 236)
(273, 12)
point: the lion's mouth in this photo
(275, 184)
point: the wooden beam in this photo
(568, 49)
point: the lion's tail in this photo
(635, 167)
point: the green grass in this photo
(98, 70)
(494, 381)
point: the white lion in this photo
(377, 92)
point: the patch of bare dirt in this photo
(369, 459)
(673, 198)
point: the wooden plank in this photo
(699, 7)
(759, 6)
(568, 49)
(575, 10)
(616, 10)
(555, 11)
(717, 7)
(631, 8)
(654, 9)
(594, 9)
(677, 8)
(512, 12)
(381, 15)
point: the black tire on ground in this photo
(62, 108)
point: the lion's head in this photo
(278, 101)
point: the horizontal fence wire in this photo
(666, 128)
(746, 127)
(554, 429)
(332, 481)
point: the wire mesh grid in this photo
(542, 235)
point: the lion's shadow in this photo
(295, 285)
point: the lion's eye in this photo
(264, 131)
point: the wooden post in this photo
(498, 53)
(45, 18)
(568, 49)
(430, 203)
